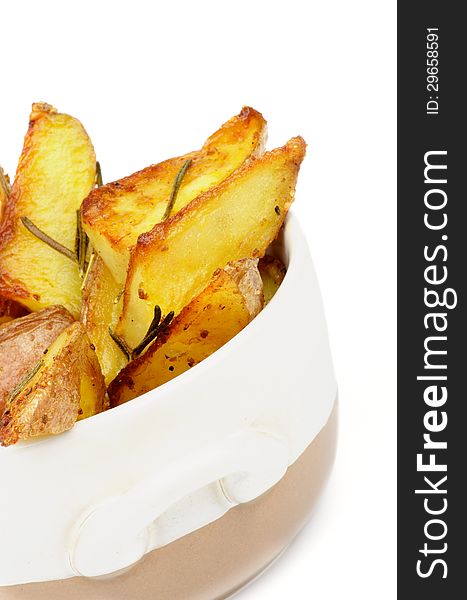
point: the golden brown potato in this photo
(272, 273)
(24, 341)
(100, 311)
(57, 169)
(65, 385)
(240, 217)
(115, 214)
(10, 310)
(225, 307)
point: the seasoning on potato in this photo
(110, 291)
(56, 170)
(233, 297)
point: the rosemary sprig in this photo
(120, 343)
(24, 382)
(81, 244)
(155, 320)
(154, 330)
(38, 233)
(88, 269)
(78, 235)
(176, 187)
(99, 182)
(153, 326)
(4, 183)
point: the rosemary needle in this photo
(80, 243)
(99, 181)
(154, 330)
(88, 269)
(153, 326)
(155, 320)
(176, 187)
(78, 235)
(38, 233)
(152, 333)
(23, 383)
(120, 343)
(4, 183)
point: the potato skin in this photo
(115, 214)
(225, 307)
(101, 312)
(56, 171)
(245, 274)
(24, 341)
(173, 262)
(53, 400)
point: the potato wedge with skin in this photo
(100, 311)
(24, 341)
(175, 261)
(225, 307)
(10, 310)
(56, 171)
(272, 273)
(67, 386)
(115, 214)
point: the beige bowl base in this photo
(218, 560)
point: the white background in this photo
(151, 80)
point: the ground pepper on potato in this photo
(136, 281)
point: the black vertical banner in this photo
(432, 301)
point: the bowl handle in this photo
(117, 532)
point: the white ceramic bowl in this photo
(155, 471)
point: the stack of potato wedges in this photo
(109, 291)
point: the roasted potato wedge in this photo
(272, 274)
(65, 385)
(101, 311)
(57, 169)
(10, 310)
(240, 217)
(115, 214)
(24, 341)
(217, 314)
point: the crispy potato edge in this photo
(295, 149)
